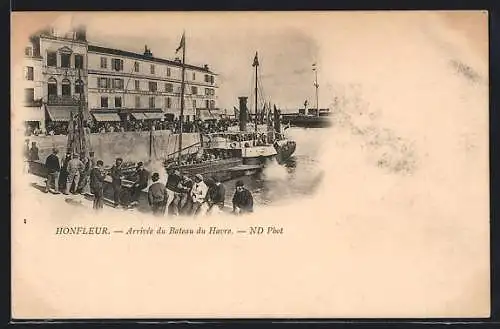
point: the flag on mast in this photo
(255, 60)
(182, 44)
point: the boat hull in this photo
(307, 121)
(223, 170)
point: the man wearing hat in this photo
(75, 168)
(97, 176)
(216, 195)
(116, 174)
(53, 166)
(242, 199)
(141, 182)
(174, 190)
(157, 196)
(186, 203)
(198, 194)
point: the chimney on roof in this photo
(205, 67)
(177, 59)
(147, 52)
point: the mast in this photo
(316, 85)
(256, 65)
(183, 45)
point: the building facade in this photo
(140, 85)
(117, 85)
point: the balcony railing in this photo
(63, 100)
(66, 71)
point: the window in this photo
(207, 91)
(136, 66)
(137, 84)
(207, 78)
(29, 73)
(78, 61)
(194, 103)
(29, 95)
(137, 102)
(104, 101)
(212, 104)
(152, 102)
(65, 60)
(168, 102)
(117, 64)
(152, 69)
(78, 87)
(168, 72)
(207, 104)
(194, 76)
(118, 102)
(118, 83)
(66, 87)
(194, 90)
(152, 86)
(51, 59)
(104, 63)
(52, 87)
(212, 79)
(103, 83)
(28, 51)
(169, 87)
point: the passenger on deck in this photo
(242, 199)
(141, 182)
(157, 196)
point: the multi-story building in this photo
(59, 73)
(33, 87)
(140, 85)
(117, 85)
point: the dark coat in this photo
(217, 194)
(243, 200)
(52, 163)
(116, 173)
(157, 194)
(34, 153)
(142, 177)
(97, 179)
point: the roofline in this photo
(124, 53)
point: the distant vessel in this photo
(255, 148)
(314, 118)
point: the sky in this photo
(349, 48)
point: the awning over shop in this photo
(61, 113)
(155, 115)
(33, 114)
(139, 116)
(106, 117)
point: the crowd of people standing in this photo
(205, 126)
(179, 195)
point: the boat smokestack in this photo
(243, 113)
(277, 120)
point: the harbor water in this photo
(299, 176)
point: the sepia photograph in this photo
(250, 164)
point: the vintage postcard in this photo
(250, 164)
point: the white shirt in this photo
(199, 192)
